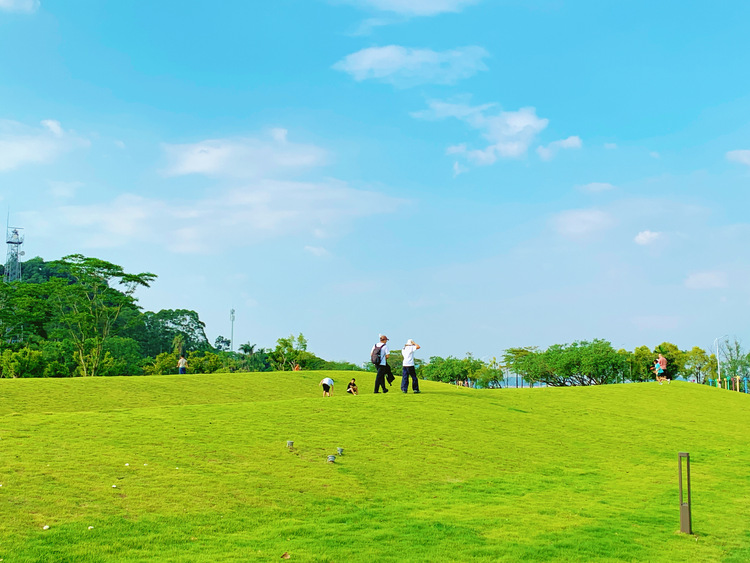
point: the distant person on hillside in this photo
(658, 371)
(327, 383)
(182, 364)
(352, 387)
(380, 351)
(408, 370)
(663, 367)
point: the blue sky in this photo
(472, 174)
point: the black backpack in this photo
(375, 355)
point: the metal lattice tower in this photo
(14, 239)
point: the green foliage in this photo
(161, 331)
(676, 359)
(125, 357)
(697, 364)
(291, 352)
(735, 360)
(451, 370)
(579, 363)
(22, 363)
(89, 307)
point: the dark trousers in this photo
(380, 378)
(406, 373)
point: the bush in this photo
(23, 363)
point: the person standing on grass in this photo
(408, 370)
(182, 364)
(382, 352)
(326, 383)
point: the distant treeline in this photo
(78, 317)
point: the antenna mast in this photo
(14, 239)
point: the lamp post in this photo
(718, 363)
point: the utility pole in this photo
(231, 333)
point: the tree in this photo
(643, 361)
(675, 359)
(158, 331)
(735, 365)
(697, 364)
(89, 306)
(579, 363)
(287, 355)
(222, 344)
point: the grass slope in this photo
(453, 474)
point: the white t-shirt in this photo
(328, 381)
(408, 353)
(383, 353)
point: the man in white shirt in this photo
(383, 365)
(408, 369)
(326, 383)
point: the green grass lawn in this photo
(453, 474)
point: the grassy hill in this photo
(196, 468)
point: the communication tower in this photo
(14, 239)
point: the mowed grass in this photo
(453, 474)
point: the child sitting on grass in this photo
(352, 387)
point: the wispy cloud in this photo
(242, 216)
(21, 6)
(610, 146)
(64, 190)
(741, 156)
(405, 66)
(581, 223)
(706, 280)
(318, 251)
(415, 7)
(242, 157)
(548, 152)
(647, 237)
(510, 133)
(596, 187)
(21, 144)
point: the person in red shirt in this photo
(663, 366)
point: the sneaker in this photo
(404, 392)
(417, 391)
(385, 390)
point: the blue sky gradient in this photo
(472, 174)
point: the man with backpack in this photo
(379, 357)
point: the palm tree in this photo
(247, 348)
(178, 344)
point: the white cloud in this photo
(54, 127)
(509, 132)
(548, 152)
(458, 169)
(706, 280)
(21, 145)
(64, 190)
(741, 156)
(317, 251)
(264, 209)
(646, 237)
(580, 223)
(416, 7)
(242, 157)
(404, 66)
(596, 187)
(23, 6)
(654, 154)
(610, 146)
